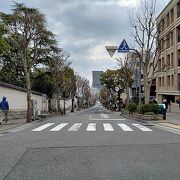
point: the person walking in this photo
(4, 106)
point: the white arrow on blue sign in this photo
(123, 48)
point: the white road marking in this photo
(102, 116)
(108, 127)
(141, 127)
(43, 127)
(75, 127)
(91, 127)
(59, 127)
(108, 119)
(106, 116)
(124, 127)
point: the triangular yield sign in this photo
(111, 50)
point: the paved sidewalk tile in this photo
(171, 125)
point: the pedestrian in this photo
(4, 106)
(166, 104)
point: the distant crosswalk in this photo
(92, 127)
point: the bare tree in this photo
(127, 72)
(144, 32)
(83, 89)
(58, 64)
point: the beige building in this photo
(168, 76)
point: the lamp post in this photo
(124, 48)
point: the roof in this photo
(11, 86)
(170, 4)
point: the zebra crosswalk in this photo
(92, 127)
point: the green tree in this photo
(27, 28)
(113, 79)
(43, 81)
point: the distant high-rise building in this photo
(96, 75)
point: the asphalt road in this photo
(92, 144)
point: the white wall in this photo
(17, 99)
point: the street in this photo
(92, 144)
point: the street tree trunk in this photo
(72, 109)
(28, 83)
(146, 89)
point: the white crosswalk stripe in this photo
(108, 127)
(75, 127)
(59, 127)
(124, 127)
(91, 127)
(141, 127)
(43, 127)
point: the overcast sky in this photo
(85, 27)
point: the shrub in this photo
(146, 108)
(132, 107)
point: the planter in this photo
(153, 117)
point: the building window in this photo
(162, 24)
(168, 41)
(168, 61)
(171, 36)
(172, 60)
(163, 81)
(163, 65)
(178, 10)
(168, 80)
(167, 19)
(159, 65)
(172, 15)
(172, 80)
(159, 81)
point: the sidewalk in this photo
(12, 124)
(172, 121)
(19, 122)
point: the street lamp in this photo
(124, 48)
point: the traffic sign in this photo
(123, 48)
(111, 50)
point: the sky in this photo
(84, 27)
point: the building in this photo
(96, 75)
(168, 75)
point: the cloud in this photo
(85, 27)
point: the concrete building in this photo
(168, 76)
